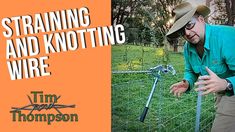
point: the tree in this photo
(151, 17)
(224, 12)
(230, 10)
(122, 9)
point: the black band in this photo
(229, 86)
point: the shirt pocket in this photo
(219, 68)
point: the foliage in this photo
(150, 17)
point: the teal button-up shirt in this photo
(219, 55)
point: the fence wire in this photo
(166, 112)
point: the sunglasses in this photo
(188, 26)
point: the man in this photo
(209, 54)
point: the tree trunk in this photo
(175, 47)
(233, 11)
(230, 11)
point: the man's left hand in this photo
(211, 83)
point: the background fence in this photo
(166, 112)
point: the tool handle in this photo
(144, 113)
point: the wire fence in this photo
(166, 112)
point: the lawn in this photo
(130, 93)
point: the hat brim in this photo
(202, 10)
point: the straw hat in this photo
(183, 14)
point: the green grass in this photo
(130, 93)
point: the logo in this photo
(40, 103)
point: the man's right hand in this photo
(179, 88)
